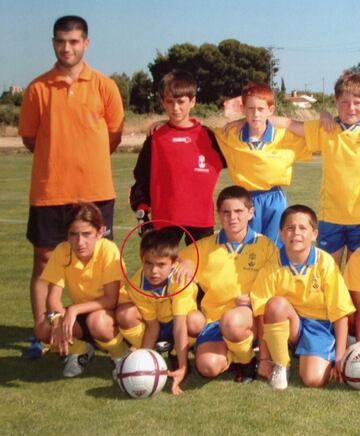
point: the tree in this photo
(221, 71)
(124, 84)
(283, 87)
(141, 96)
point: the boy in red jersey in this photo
(179, 164)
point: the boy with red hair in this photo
(261, 158)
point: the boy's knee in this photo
(234, 327)
(275, 306)
(195, 323)
(315, 378)
(210, 366)
(127, 316)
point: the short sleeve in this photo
(312, 135)
(54, 271)
(111, 262)
(263, 289)
(114, 111)
(352, 272)
(29, 113)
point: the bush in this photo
(9, 115)
(204, 110)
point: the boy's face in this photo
(82, 237)
(297, 233)
(156, 268)
(178, 109)
(348, 106)
(70, 47)
(257, 112)
(234, 216)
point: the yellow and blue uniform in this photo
(84, 282)
(226, 271)
(352, 272)
(316, 290)
(162, 309)
(262, 167)
(340, 189)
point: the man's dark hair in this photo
(71, 22)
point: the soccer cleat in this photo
(245, 373)
(279, 377)
(117, 363)
(76, 362)
(36, 349)
(163, 346)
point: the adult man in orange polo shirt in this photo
(71, 120)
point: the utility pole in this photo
(272, 62)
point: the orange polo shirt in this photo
(71, 124)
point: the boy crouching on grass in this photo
(303, 301)
(161, 312)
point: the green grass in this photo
(35, 399)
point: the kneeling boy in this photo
(228, 265)
(161, 312)
(302, 300)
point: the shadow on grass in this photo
(193, 381)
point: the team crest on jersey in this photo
(252, 260)
(201, 165)
(185, 139)
(315, 284)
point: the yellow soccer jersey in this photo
(162, 309)
(340, 188)
(228, 270)
(352, 272)
(268, 163)
(84, 282)
(316, 290)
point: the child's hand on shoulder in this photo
(184, 271)
(327, 121)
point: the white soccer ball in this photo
(142, 373)
(350, 366)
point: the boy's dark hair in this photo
(178, 84)
(299, 208)
(349, 81)
(71, 22)
(162, 242)
(86, 212)
(234, 192)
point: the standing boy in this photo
(161, 312)
(71, 120)
(339, 224)
(228, 265)
(302, 300)
(261, 158)
(179, 164)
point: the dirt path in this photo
(14, 142)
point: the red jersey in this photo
(176, 174)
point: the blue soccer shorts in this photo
(332, 237)
(269, 206)
(316, 338)
(210, 333)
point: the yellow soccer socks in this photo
(116, 348)
(134, 335)
(78, 347)
(276, 337)
(241, 352)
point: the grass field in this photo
(35, 399)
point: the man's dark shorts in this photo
(46, 225)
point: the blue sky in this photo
(318, 38)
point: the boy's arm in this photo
(296, 127)
(355, 296)
(151, 334)
(140, 191)
(341, 333)
(181, 346)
